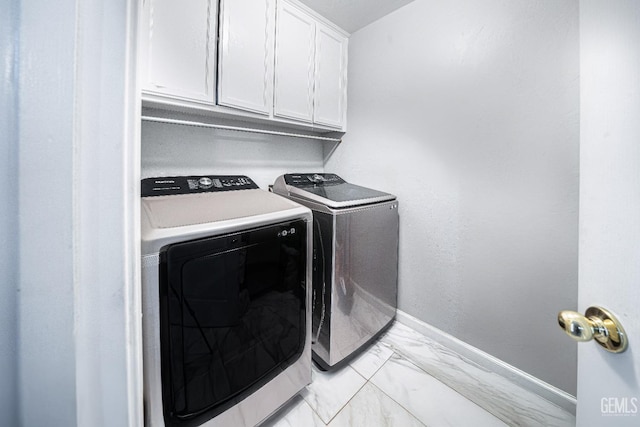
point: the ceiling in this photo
(351, 15)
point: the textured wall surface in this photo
(469, 112)
(169, 149)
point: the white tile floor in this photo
(380, 388)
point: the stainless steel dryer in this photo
(355, 261)
(226, 296)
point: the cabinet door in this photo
(331, 80)
(245, 71)
(294, 63)
(178, 48)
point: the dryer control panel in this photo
(172, 185)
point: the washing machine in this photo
(355, 262)
(226, 296)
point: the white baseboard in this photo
(491, 363)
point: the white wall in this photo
(79, 340)
(468, 111)
(46, 300)
(169, 150)
(8, 213)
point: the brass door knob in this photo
(597, 323)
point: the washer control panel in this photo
(195, 184)
(312, 179)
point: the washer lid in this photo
(331, 190)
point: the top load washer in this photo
(355, 262)
(226, 300)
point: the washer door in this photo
(232, 317)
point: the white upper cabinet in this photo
(330, 82)
(262, 60)
(245, 71)
(178, 51)
(310, 69)
(295, 64)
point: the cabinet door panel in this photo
(179, 48)
(294, 65)
(330, 85)
(246, 54)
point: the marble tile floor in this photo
(386, 386)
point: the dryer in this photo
(355, 262)
(226, 296)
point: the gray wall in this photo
(8, 213)
(469, 112)
(177, 150)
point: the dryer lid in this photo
(166, 212)
(175, 209)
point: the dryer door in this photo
(232, 317)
